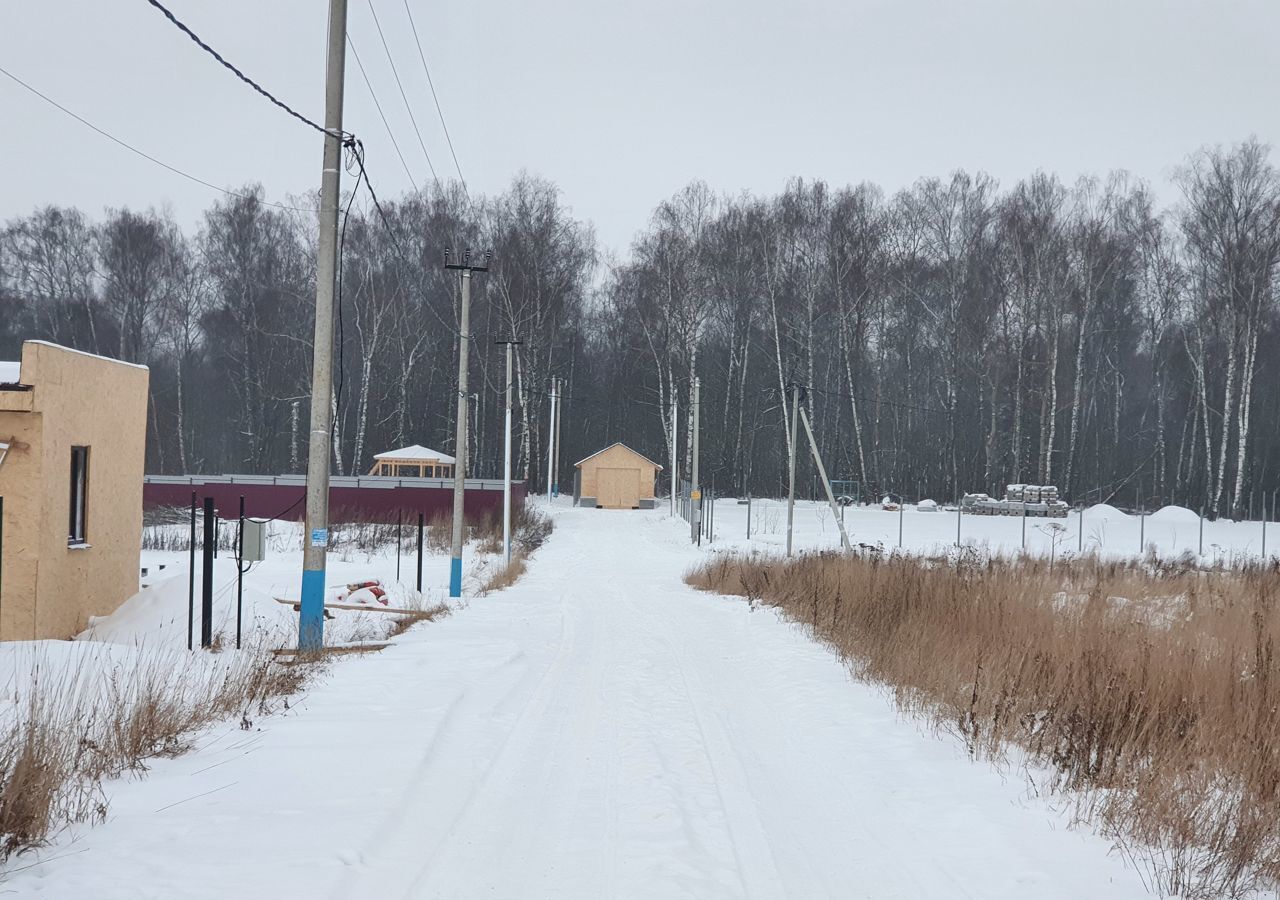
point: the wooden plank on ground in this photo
(340, 650)
(364, 607)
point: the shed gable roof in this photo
(579, 463)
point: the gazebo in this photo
(416, 461)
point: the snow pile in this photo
(927, 506)
(1104, 511)
(1175, 515)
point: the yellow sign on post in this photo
(695, 495)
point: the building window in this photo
(79, 495)
(385, 470)
(408, 471)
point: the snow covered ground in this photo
(598, 730)
(1101, 529)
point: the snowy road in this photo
(598, 731)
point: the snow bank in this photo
(1175, 515)
(927, 506)
(1104, 511)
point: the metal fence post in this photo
(240, 573)
(206, 583)
(1201, 551)
(191, 576)
(420, 521)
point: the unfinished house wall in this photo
(51, 587)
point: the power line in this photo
(431, 84)
(381, 114)
(358, 156)
(243, 77)
(403, 96)
(875, 400)
(147, 156)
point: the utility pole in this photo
(826, 482)
(555, 465)
(506, 459)
(551, 440)
(293, 436)
(675, 429)
(695, 492)
(316, 534)
(791, 490)
(464, 268)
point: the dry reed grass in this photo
(529, 530)
(75, 719)
(1150, 691)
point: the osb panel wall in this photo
(101, 404)
(618, 457)
(20, 485)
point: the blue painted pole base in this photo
(311, 617)
(455, 577)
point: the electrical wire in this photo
(381, 114)
(147, 156)
(440, 112)
(342, 332)
(245, 78)
(403, 96)
(395, 242)
(874, 400)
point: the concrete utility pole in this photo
(555, 465)
(675, 474)
(695, 492)
(506, 459)
(464, 268)
(316, 536)
(826, 482)
(791, 490)
(551, 440)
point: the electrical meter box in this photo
(255, 541)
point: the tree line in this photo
(950, 337)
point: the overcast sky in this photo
(622, 103)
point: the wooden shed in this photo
(616, 477)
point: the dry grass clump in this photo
(506, 576)
(529, 530)
(75, 719)
(1151, 691)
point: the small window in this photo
(79, 495)
(385, 470)
(408, 471)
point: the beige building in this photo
(413, 462)
(71, 482)
(616, 477)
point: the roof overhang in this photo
(624, 447)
